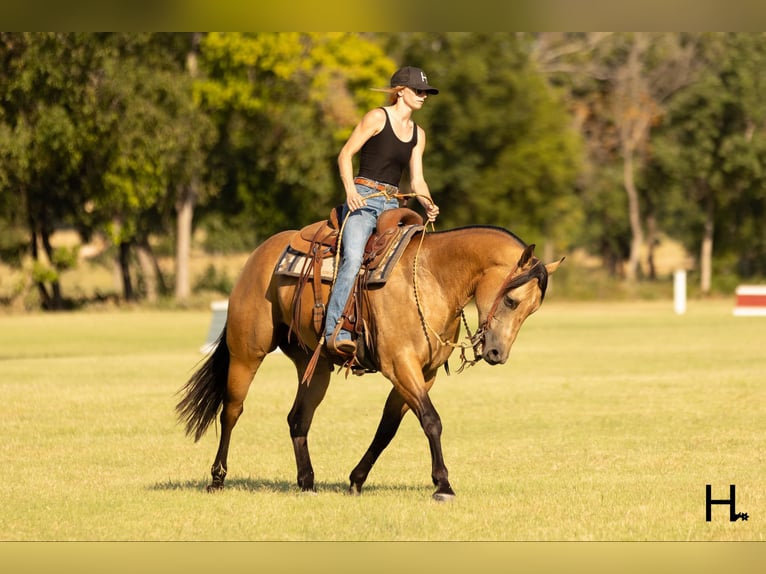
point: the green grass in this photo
(606, 424)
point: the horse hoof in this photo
(443, 496)
(215, 487)
(308, 492)
(354, 490)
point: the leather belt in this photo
(371, 183)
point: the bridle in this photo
(475, 341)
(510, 282)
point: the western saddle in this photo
(310, 247)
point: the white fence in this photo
(217, 321)
(751, 301)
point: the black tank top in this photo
(384, 156)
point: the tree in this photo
(711, 148)
(154, 151)
(622, 83)
(188, 191)
(501, 145)
(98, 132)
(41, 147)
(283, 103)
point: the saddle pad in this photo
(293, 264)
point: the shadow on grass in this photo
(281, 486)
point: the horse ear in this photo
(526, 256)
(551, 267)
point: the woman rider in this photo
(388, 141)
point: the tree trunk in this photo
(45, 298)
(185, 215)
(706, 250)
(651, 245)
(57, 300)
(187, 198)
(634, 214)
(148, 271)
(127, 284)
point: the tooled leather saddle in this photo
(310, 257)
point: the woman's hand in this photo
(432, 211)
(354, 200)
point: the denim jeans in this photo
(359, 226)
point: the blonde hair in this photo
(393, 93)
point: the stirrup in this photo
(344, 348)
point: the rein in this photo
(383, 193)
(473, 341)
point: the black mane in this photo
(539, 272)
(491, 227)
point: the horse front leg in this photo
(432, 426)
(393, 411)
(410, 392)
(412, 386)
(301, 414)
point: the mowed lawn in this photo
(606, 424)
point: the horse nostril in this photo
(492, 356)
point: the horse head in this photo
(505, 301)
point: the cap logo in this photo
(423, 77)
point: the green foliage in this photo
(214, 280)
(43, 273)
(64, 258)
(98, 131)
(501, 148)
(284, 102)
(711, 149)
(110, 133)
(229, 234)
(14, 242)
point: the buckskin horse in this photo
(414, 323)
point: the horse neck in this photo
(460, 257)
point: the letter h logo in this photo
(731, 501)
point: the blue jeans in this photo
(359, 226)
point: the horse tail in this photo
(203, 392)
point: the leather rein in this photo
(476, 340)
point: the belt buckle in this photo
(377, 185)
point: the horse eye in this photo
(510, 302)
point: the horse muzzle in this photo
(494, 356)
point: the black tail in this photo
(203, 392)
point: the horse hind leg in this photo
(307, 399)
(239, 378)
(393, 412)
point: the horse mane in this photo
(538, 270)
(515, 237)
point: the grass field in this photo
(606, 424)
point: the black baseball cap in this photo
(412, 77)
